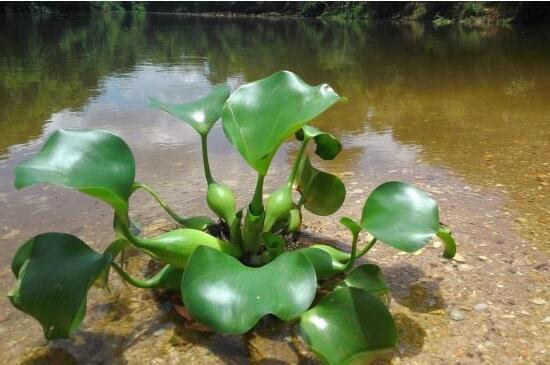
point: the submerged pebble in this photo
(481, 307)
(457, 315)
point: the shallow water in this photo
(460, 108)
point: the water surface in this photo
(463, 108)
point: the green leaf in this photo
(259, 116)
(175, 247)
(350, 224)
(324, 262)
(229, 297)
(94, 162)
(54, 272)
(369, 278)
(446, 236)
(401, 216)
(200, 114)
(348, 326)
(323, 193)
(326, 145)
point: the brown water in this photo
(465, 111)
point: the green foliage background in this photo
(441, 12)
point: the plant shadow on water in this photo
(156, 337)
(50, 355)
(280, 342)
(410, 341)
(410, 288)
(91, 347)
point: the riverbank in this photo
(481, 13)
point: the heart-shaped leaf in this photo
(54, 272)
(401, 216)
(323, 193)
(229, 297)
(95, 162)
(200, 114)
(348, 326)
(326, 145)
(259, 116)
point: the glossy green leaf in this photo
(54, 272)
(229, 297)
(326, 145)
(324, 261)
(259, 116)
(175, 247)
(200, 114)
(446, 236)
(401, 216)
(323, 193)
(94, 162)
(348, 326)
(369, 278)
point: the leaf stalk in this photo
(256, 205)
(206, 164)
(298, 161)
(161, 202)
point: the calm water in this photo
(450, 107)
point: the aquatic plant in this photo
(232, 280)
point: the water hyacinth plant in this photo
(231, 280)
